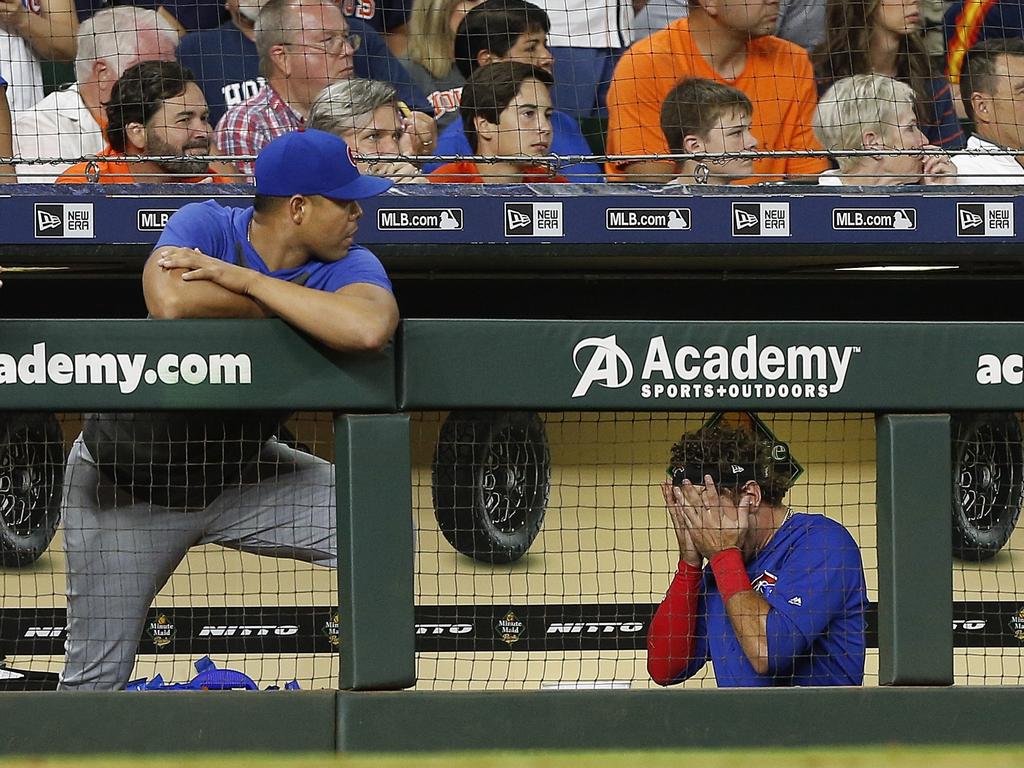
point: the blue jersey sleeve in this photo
(822, 580)
(358, 266)
(197, 225)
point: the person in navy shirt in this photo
(141, 489)
(782, 598)
(513, 30)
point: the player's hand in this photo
(199, 266)
(714, 520)
(674, 504)
(937, 169)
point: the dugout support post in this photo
(915, 565)
(375, 552)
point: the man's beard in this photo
(157, 147)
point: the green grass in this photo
(884, 757)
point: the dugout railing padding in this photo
(910, 374)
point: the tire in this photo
(31, 479)
(988, 482)
(491, 480)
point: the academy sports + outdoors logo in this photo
(751, 369)
(126, 371)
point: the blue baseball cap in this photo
(310, 162)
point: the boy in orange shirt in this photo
(506, 111)
(155, 108)
(728, 41)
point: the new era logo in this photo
(517, 220)
(63, 220)
(533, 220)
(745, 219)
(760, 219)
(984, 219)
(970, 220)
(46, 220)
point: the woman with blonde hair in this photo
(430, 58)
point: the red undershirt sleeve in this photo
(670, 638)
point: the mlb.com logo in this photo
(984, 220)
(63, 220)
(533, 220)
(760, 219)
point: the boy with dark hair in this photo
(700, 115)
(506, 110)
(513, 31)
(782, 598)
(502, 30)
(157, 109)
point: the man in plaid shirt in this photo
(304, 46)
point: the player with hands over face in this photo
(781, 600)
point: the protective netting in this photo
(841, 91)
(565, 550)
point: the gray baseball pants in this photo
(121, 552)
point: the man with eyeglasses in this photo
(781, 600)
(303, 46)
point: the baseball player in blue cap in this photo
(142, 488)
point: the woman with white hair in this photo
(371, 120)
(875, 112)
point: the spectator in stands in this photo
(389, 18)
(31, 31)
(506, 110)
(884, 37)
(800, 21)
(992, 89)
(878, 113)
(968, 22)
(728, 41)
(587, 38)
(782, 598)
(141, 489)
(157, 109)
(701, 115)
(224, 60)
(6, 136)
(69, 122)
(430, 55)
(366, 114)
(303, 46)
(513, 30)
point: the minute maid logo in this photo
(751, 369)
